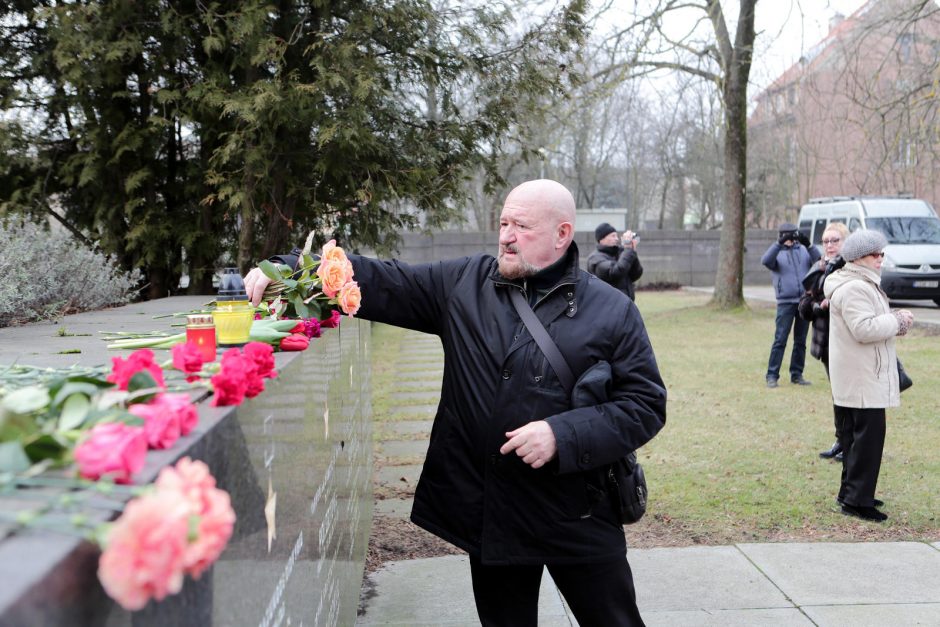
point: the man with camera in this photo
(615, 261)
(789, 259)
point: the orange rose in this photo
(333, 277)
(334, 254)
(349, 298)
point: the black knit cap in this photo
(786, 227)
(603, 230)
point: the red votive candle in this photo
(200, 330)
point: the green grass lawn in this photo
(738, 462)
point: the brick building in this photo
(857, 115)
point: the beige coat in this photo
(863, 367)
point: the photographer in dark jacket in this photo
(789, 259)
(513, 474)
(615, 260)
(814, 308)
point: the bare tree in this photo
(725, 62)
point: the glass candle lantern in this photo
(200, 330)
(233, 313)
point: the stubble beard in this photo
(518, 268)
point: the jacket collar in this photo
(857, 270)
(570, 274)
(610, 250)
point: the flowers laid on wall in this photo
(179, 528)
(101, 423)
(104, 423)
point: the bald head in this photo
(550, 199)
(535, 228)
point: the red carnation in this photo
(262, 354)
(124, 370)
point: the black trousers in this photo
(863, 441)
(599, 595)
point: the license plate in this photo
(926, 283)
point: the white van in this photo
(911, 267)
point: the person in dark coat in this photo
(789, 259)
(615, 260)
(814, 308)
(513, 474)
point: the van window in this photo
(854, 225)
(818, 230)
(806, 228)
(839, 220)
(908, 230)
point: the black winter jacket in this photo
(496, 379)
(617, 265)
(810, 306)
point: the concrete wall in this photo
(684, 257)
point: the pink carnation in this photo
(123, 370)
(262, 354)
(184, 408)
(161, 427)
(187, 358)
(166, 418)
(112, 449)
(146, 550)
(192, 480)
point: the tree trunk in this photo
(729, 279)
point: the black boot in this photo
(865, 513)
(832, 452)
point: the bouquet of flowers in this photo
(314, 287)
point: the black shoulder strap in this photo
(542, 338)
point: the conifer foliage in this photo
(174, 133)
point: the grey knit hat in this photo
(863, 242)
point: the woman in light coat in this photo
(863, 366)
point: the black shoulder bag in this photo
(625, 476)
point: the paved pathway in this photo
(796, 584)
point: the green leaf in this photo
(141, 381)
(26, 400)
(270, 270)
(299, 306)
(71, 388)
(45, 447)
(13, 458)
(74, 411)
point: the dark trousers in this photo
(838, 418)
(598, 594)
(787, 318)
(863, 441)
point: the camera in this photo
(630, 237)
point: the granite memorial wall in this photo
(296, 461)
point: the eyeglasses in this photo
(881, 254)
(833, 240)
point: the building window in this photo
(905, 46)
